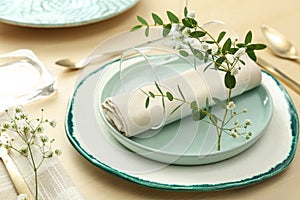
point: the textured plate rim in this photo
(66, 25)
(195, 187)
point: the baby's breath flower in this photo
(24, 150)
(245, 110)
(48, 154)
(234, 134)
(240, 52)
(44, 138)
(230, 105)
(57, 151)
(191, 14)
(234, 71)
(53, 123)
(248, 122)
(22, 197)
(40, 129)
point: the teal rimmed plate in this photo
(270, 155)
(184, 142)
(54, 14)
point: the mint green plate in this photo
(67, 13)
(185, 142)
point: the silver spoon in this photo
(72, 64)
(279, 44)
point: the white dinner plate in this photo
(60, 13)
(270, 155)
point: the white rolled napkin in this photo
(127, 112)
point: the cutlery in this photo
(113, 46)
(279, 74)
(14, 173)
(72, 64)
(279, 44)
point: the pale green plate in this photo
(60, 13)
(186, 142)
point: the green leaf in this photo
(213, 118)
(251, 54)
(219, 102)
(209, 64)
(229, 80)
(208, 108)
(189, 22)
(251, 46)
(221, 36)
(183, 53)
(175, 109)
(180, 92)
(219, 61)
(233, 50)
(194, 105)
(151, 94)
(173, 18)
(240, 45)
(136, 27)
(147, 31)
(166, 29)
(185, 12)
(142, 20)
(199, 55)
(169, 96)
(157, 19)
(201, 114)
(226, 46)
(248, 37)
(197, 34)
(147, 102)
(243, 62)
(158, 88)
(260, 46)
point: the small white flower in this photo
(245, 110)
(234, 134)
(22, 197)
(234, 71)
(24, 150)
(240, 52)
(191, 14)
(40, 129)
(248, 122)
(44, 138)
(48, 154)
(230, 105)
(186, 32)
(57, 151)
(214, 49)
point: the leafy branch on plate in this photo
(220, 53)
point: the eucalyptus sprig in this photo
(26, 136)
(192, 40)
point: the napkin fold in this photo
(127, 112)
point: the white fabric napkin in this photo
(128, 114)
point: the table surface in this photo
(53, 44)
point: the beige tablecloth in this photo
(77, 42)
